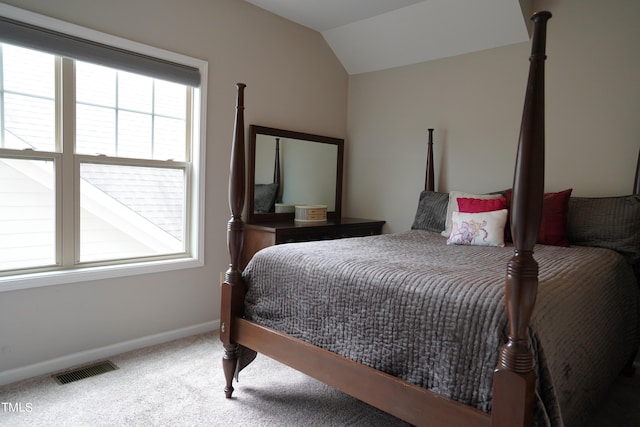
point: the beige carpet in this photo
(180, 384)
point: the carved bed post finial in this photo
(233, 287)
(514, 379)
(429, 182)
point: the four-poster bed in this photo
(382, 352)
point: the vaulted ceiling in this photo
(371, 35)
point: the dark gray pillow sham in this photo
(606, 222)
(264, 197)
(432, 211)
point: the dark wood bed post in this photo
(233, 287)
(276, 163)
(429, 183)
(276, 171)
(514, 380)
(636, 185)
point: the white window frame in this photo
(195, 198)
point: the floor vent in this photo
(85, 372)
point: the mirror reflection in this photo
(290, 168)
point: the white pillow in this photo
(478, 229)
(453, 206)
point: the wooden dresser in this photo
(260, 235)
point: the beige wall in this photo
(293, 81)
(475, 101)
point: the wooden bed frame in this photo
(514, 379)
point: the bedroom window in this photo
(101, 157)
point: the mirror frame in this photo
(254, 130)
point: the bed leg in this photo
(513, 398)
(229, 364)
(232, 303)
(514, 379)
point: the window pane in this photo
(170, 139)
(95, 130)
(29, 123)
(27, 214)
(28, 86)
(130, 211)
(135, 92)
(170, 99)
(28, 72)
(95, 84)
(134, 135)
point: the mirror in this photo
(288, 168)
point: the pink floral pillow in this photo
(478, 229)
(472, 205)
(453, 206)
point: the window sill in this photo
(50, 278)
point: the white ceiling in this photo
(371, 35)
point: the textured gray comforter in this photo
(431, 314)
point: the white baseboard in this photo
(87, 356)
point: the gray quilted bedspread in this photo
(432, 314)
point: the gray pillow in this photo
(432, 211)
(264, 197)
(606, 222)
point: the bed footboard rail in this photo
(514, 379)
(232, 298)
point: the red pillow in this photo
(555, 214)
(469, 205)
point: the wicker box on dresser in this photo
(259, 236)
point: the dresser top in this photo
(290, 224)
